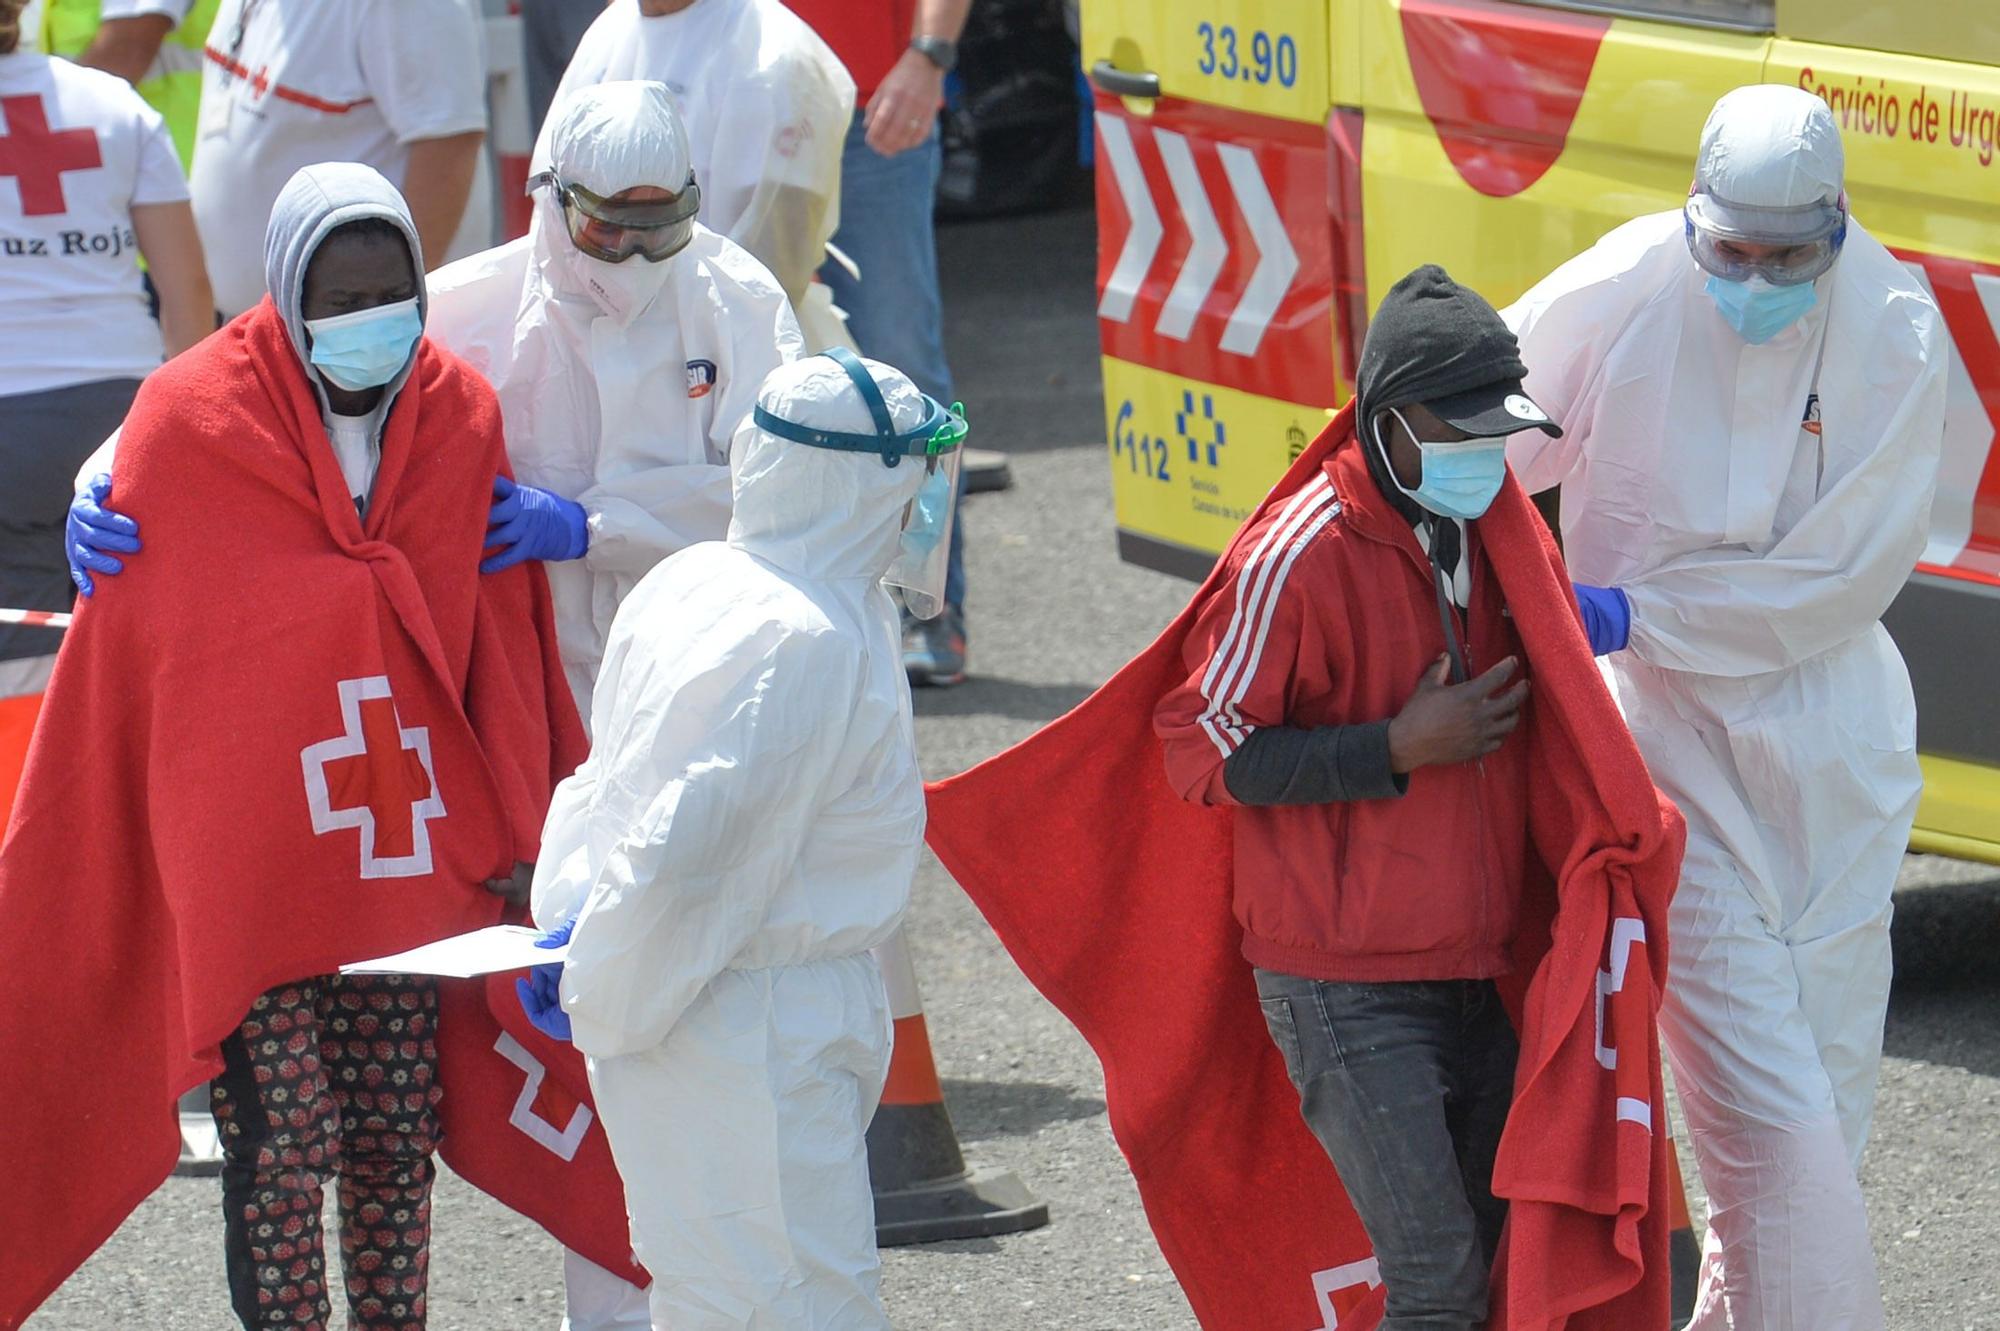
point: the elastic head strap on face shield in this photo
(940, 432)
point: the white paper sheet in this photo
(502, 947)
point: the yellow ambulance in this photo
(1266, 168)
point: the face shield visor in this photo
(924, 547)
(1786, 246)
(614, 229)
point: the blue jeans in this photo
(1407, 1086)
(894, 311)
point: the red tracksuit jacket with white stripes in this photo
(1329, 618)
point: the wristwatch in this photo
(940, 51)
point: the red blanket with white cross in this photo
(286, 738)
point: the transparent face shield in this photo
(614, 229)
(924, 548)
(1784, 246)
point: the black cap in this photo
(1437, 344)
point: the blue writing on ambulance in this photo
(1143, 454)
(1204, 434)
(1261, 58)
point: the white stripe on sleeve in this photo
(1258, 585)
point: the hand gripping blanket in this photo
(1113, 895)
(286, 738)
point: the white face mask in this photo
(621, 290)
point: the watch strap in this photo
(940, 51)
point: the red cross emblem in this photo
(37, 156)
(550, 1116)
(376, 776)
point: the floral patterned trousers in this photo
(331, 1077)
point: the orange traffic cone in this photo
(1684, 1254)
(924, 1189)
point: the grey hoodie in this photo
(315, 201)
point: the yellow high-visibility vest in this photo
(172, 86)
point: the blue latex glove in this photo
(1607, 617)
(92, 532)
(540, 991)
(533, 524)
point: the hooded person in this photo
(744, 833)
(1340, 901)
(336, 759)
(1752, 390)
(766, 104)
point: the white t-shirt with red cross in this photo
(79, 150)
(291, 83)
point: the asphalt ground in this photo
(1053, 613)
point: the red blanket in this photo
(1120, 915)
(286, 738)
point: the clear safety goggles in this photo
(1797, 244)
(614, 229)
(924, 548)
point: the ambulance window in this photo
(1743, 15)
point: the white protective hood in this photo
(1767, 155)
(766, 104)
(820, 512)
(630, 417)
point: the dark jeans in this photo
(1407, 1086)
(44, 438)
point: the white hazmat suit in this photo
(745, 831)
(1760, 505)
(623, 399)
(767, 106)
(621, 384)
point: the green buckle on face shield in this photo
(951, 434)
(942, 430)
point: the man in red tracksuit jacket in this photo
(1383, 833)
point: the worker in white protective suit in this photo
(1752, 398)
(622, 382)
(745, 831)
(621, 379)
(766, 104)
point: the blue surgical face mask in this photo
(367, 348)
(927, 518)
(1759, 311)
(1461, 479)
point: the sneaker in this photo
(934, 649)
